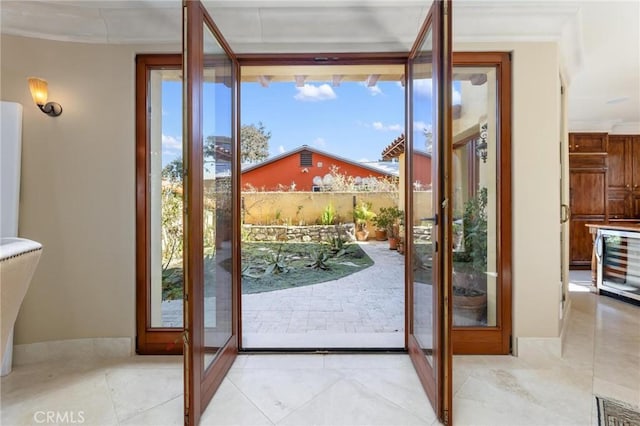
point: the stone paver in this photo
(369, 302)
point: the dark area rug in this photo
(616, 413)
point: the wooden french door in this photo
(210, 74)
(428, 220)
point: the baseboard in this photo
(102, 347)
(566, 316)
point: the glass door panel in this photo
(165, 193)
(217, 104)
(159, 204)
(211, 280)
(481, 202)
(428, 221)
(475, 139)
(424, 215)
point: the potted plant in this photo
(362, 214)
(470, 264)
(387, 220)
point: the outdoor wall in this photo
(536, 186)
(297, 208)
(305, 208)
(78, 186)
(288, 173)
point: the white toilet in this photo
(18, 256)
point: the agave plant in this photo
(319, 259)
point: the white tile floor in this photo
(602, 356)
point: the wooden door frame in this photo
(149, 340)
(201, 382)
(495, 340)
(436, 378)
(466, 340)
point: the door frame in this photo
(435, 377)
(495, 340)
(200, 381)
(149, 340)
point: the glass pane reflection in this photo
(474, 196)
(423, 212)
(217, 102)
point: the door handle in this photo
(598, 247)
(433, 219)
(565, 213)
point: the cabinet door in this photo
(618, 162)
(587, 192)
(581, 246)
(635, 163)
(588, 142)
(618, 203)
(635, 204)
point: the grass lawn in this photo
(276, 266)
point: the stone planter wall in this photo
(422, 234)
(299, 234)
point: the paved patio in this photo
(364, 309)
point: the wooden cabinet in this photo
(588, 142)
(604, 175)
(588, 200)
(623, 177)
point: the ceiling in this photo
(599, 40)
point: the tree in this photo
(428, 139)
(254, 143)
(173, 171)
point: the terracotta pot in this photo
(381, 234)
(469, 310)
(393, 243)
(362, 235)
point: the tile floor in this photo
(601, 356)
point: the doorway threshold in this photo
(252, 341)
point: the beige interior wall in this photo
(78, 186)
(535, 190)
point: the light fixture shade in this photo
(38, 88)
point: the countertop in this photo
(632, 227)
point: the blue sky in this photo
(351, 120)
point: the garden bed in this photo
(276, 266)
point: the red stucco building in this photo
(305, 169)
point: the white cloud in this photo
(320, 142)
(281, 149)
(373, 90)
(378, 125)
(312, 93)
(423, 87)
(421, 126)
(171, 143)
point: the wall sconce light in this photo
(38, 88)
(481, 146)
